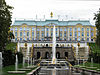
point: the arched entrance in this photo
(46, 45)
(58, 55)
(57, 45)
(46, 55)
(38, 55)
(66, 54)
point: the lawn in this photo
(88, 64)
(12, 68)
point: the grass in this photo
(12, 68)
(88, 64)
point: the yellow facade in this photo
(63, 32)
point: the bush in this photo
(8, 58)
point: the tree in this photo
(5, 22)
(97, 23)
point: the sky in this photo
(66, 9)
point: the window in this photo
(64, 34)
(79, 39)
(51, 33)
(15, 39)
(82, 39)
(82, 33)
(64, 29)
(24, 28)
(87, 29)
(91, 29)
(87, 33)
(60, 29)
(56, 34)
(75, 39)
(75, 29)
(82, 29)
(27, 29)
(78, 33)
(51, 29)
(38, 35)
(20, 39)
(92, 34)
(78, 29)
(42, 29)
(47, 34)
(32, 33)
(32, 29)
(32, 38)
(70, 29)
(70, 33)
(70, 39)
(60, 34)
(38, 29)
(47, 29)
(16, 29)
(75, 33)
(24, 38)
(56, 29)
(15, 33)
(42, 34)
(42, 38)
(20, 33)
(27, 33)
(24, 34)
(20, 29)
(87, 39)
(27, 38)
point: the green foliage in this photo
(95, 52)
(11, 46)
(5, 22)
(8, 58)
(97, 23)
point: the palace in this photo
(72, 37)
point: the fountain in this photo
(23, 62)
(16, 68)
(54, 47)
(16, 64)
(0, 63)
(54, 66)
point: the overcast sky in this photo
(73, 9)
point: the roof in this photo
(53, 21)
